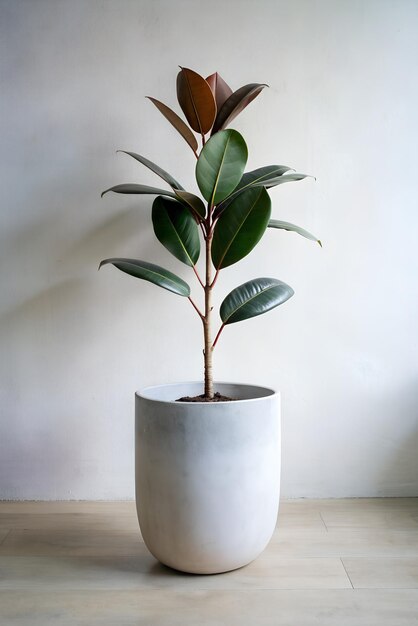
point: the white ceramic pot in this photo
(207, 475)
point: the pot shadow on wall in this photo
(50, 327)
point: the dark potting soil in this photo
(217, 398)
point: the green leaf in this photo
(154, 168)
(152, 273)
(253, 178)
(176, 121)
(139, 189)
(263, 173)
(176, 228)
(235, 104)
(196, 100)
(294, 228)
(220, 165)
(279, 180)
(261, 181)
(254, 298)
(192, 201)
(240, 227)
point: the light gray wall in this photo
(76, 343)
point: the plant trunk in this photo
(207, 322)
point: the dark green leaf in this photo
(254, 298)
(220, 165)
(196, 100)
(240, 227)
(280, 180)
(140, 189)
(192, 201)
(263, 173)
(294, 228)
(253, 178)
(153, 273)
(176, 228)
(154, 168)
(235, 104)
(176, 121)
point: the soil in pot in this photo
(216, 398)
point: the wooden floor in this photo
(330, 563)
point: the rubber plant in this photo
(232, 217)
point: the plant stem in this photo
(218, 335)
(197, 276)
(207, 318)
(216, 278)
(196, 308)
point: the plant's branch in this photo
(197, 276)
(215, 278)
(218, 215)
(202, 317)
(203, 139)
(218, 335)
(211, 221)
(202, 226)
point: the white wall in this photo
(76, 343)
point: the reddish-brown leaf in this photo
(177, 122)
(220, 89)
(235, 104)
(196, 100)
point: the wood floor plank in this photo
(3, 534)
(108, 520)
(289, 542)
(396, 519)
(346, 542)
(58, 542)
(211, 608)
(353, 504)
(69, 521)
(383, 573)
(295, 519)
(144, 572)
(113, 508)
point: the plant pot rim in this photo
(147, 393)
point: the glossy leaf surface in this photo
(292, 227)
(132, 188)
(219, 88)
(253, 178)
(220, 165)
(176, 228)
(152, 273)
(280, 180)
(196, 100)
(253, 298)
(176, 121)
(263, 173)
(192, 201)
(235, 104)
(240, 227)
(154, 168)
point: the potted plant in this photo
(208, 454)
